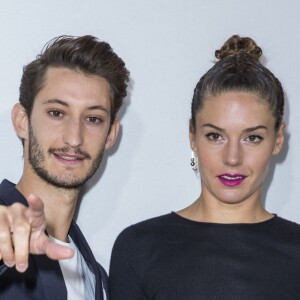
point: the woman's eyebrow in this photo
(250, 129)
(213, 126)
(255, 128)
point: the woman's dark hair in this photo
(238, 69)
(84, 54)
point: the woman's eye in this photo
(213, 136)
(55, 113)
(254, 139)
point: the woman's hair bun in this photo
(237, 44)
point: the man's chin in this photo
(64, 180)
(69, 183)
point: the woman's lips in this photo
(231, 180)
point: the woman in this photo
(225, 245)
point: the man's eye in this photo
(213, 136)
(55, 113)
(94, 120)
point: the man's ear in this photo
(20, 121)
(113, 134)
(279, 139)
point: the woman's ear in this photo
(192, 136)
(20, 121)
(279, 139)
(113, 134)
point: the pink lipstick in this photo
(231, 180)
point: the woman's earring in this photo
(194, 161)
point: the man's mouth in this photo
(68, 154)
(69, 157)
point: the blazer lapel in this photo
(88, 256)
(51, 277)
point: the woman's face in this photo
(234, 139)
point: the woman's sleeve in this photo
(125, 265)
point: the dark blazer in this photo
(43, 279)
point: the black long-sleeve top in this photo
(170, 258)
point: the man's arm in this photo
(22, 231)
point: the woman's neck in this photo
(207, 209)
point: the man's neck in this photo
(59, 203)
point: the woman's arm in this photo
(123, 283)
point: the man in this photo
(66, 118)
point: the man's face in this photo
(69, 127)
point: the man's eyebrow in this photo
(250, 129)
(101, 107)
(57, 101)
(61, 102)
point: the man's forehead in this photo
(69, 87)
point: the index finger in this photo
(6, 247)
(36, 212)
